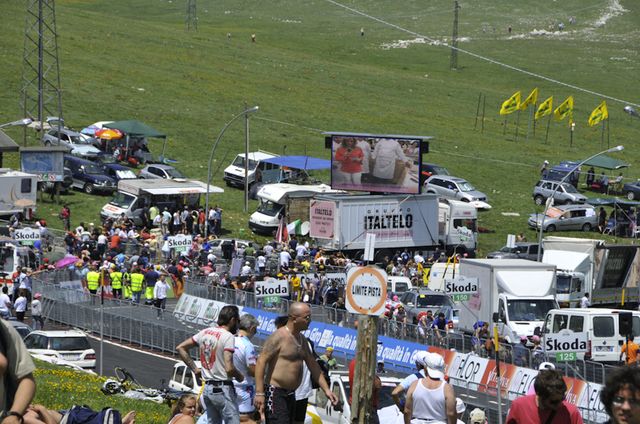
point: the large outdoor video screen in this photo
(375, 164)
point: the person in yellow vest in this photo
(296, 288)
(126, 285)
(116, 282)
(137, 280)
(93, 282)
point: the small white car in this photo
(71, 345)
(161, 171)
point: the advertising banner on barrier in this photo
(198, 310)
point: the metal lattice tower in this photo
(454, 37)
(41, 93)
(192, 16)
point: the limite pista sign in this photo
(366, 290)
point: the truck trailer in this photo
(18, 193)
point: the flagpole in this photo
(484, 108)
(546, 138)
(475, 125)
(608, 134)
(532, 117)
(517, 124)
(504, 126)
(602, 135)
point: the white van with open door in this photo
(606, 328)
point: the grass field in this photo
(310, 70)
(60, 388)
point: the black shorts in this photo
(300, 410)
(280, 405)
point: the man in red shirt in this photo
(547, 406)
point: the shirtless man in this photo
(282, 355)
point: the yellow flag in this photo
(532, 99)
(565, 109)
(510, 105)
(545, 108)
(599, 114)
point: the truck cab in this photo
(458, 226)
(12, 255)
(234, 173)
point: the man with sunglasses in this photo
(547, 406)
(281, 357)
(621, 395)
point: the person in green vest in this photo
(93, 282)
(137, 280)
(116, 277)
(328, 359)
(126, 284)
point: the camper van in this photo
(605, 335)
(457, 222)
(13, 255)
(133, 196)
(234, 173)
(290, 201)
(18, 191)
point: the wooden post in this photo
(365, 370)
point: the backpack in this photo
(86, 415)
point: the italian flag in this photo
(294, 227)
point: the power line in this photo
(484, 58)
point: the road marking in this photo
(135, 350)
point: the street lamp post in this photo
(213, 149)
(19, 122)
(550, 199)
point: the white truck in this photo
(133, 196)
(457, 222)
(234, 173)
(18, 192)
(13, 255)
(519, 291)
(575, 261)
(398, 221)
(290, 201)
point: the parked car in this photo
(632, 190)
(161, 171)
(519, 251)
(77, 143)
(397, 284)
(71, 345)
(215, 246)
(114, 169)
(566, 218)
(423, 300)
(88, 176)
(453, 188)
(429, 169)
(562, 193)
(22, 328)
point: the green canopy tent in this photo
(137, 129)
(606, 162)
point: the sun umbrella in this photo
(66, 261)
(91, 129)
(109, 134)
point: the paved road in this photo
(148, 368)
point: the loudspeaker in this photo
(625, 323)
(328, 142)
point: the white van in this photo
(234, 173)
(601, 325)
(398, 285)
(439, 271)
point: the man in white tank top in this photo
(431, 400)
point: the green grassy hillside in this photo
(311, 70)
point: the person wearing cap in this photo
(477, 416)
(521, 353)
(328, 358)
(547, 406)
(36, 312)
(431, 399)
(380, 366)
(404, 385)
(246, 270)
(543, 366)
(460, 409)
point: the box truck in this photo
(342, 222)
(133, 196)
(458, 229)
(519, 291)
(18, 193)
(290, 201)
(618, 274)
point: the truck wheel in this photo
(586, 227)
(88, 188)
(539, 200)
(631, 195)
(551, 228)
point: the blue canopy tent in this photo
(306, 163)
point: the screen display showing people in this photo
(375, 164)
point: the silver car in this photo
(564, 193)
(78, 144)
(161, 171)
(566, 218)
(453, 188)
